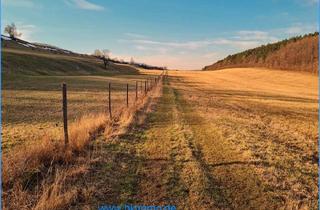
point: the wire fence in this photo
(34, 110)
(149, 84)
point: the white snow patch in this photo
(6, 38)
(28, 45)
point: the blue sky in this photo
(184, 34)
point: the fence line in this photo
(148, 86)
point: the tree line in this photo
(296, 53)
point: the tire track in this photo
(182, 177)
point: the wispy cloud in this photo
(86, 5)
(186, 45)
(194, 54)
(160, 50)
(242, 40)
(254, 36)
(134, 35)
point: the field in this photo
(232, 139)
(33, 106)
(32, 103)
(254, 133)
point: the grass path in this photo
(188, 178)
(162, 162)
(179, 157)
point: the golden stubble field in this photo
(229, 139)
(36, 163)
(257, 130)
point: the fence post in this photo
(141, 87)
(65, 114)
(127, 95)
(147, 82)
(109, 100)
(145, 87)
(136, 90)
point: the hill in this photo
(24, 58)
(298, 53)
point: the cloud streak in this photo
(242, 40)
(86, 5)
(194, 54)
(135, 36)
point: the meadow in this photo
(255, 132)
(33, 107)
(229, 139)
(32, 98)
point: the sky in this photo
(178, 34)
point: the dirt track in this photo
(203, 149)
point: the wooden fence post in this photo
(145, 87)
(141, 88)
(136, 90)
(65, 114)
(149, 85)
(109, 101)
(127, 95)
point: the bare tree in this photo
(103, 55)
(12, 31)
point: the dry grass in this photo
(262, 121)
(28, 169)
(231, 139)
(32, 104)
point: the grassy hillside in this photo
(19, 59)
(31, 88)
(298, 53)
